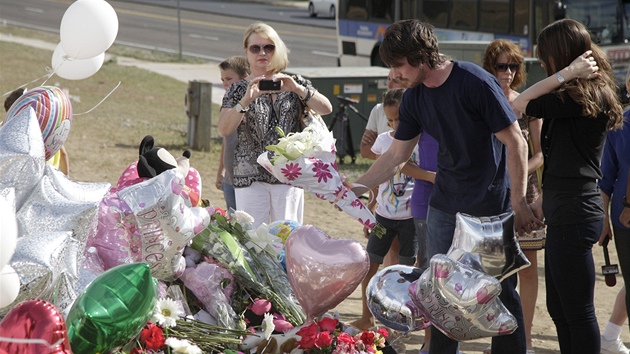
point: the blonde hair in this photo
(280, 59)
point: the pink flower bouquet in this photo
(307, 160)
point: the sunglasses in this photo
(268, 48)
(505, 66)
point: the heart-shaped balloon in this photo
(38, 322)
(322, 270)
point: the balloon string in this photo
(98, 104)
(31, 341)
(47, 76)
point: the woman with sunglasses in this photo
(254, 107)
(503, 59)
(578, 104)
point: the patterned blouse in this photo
(258, 129)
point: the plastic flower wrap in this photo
(251, 264)
(307, 160)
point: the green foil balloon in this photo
(112, 309)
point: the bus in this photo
(362, 23)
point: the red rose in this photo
(346, 338)
(308, 335)
(323, 339)
(383, 332)
(367, 337)
(152, 337)
(328, 324)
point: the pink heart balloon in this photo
(38, 321)
(322, 270)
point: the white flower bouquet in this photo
(307, 160)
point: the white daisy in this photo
(182, 346)
(166, 312)
(267, 326)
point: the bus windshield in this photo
(606, 19)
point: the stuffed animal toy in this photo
(155, 160)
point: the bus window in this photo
(382, 11)
(464, 15)
(494, 16)
(357, 10)
(435, 12)
(409, 9)
(521, 18)
(600, 17)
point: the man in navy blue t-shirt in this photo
(482, 156)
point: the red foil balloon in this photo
(37, 321)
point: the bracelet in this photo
(309, 94)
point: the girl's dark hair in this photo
(392, 98)
(562, 42)
(412, 40)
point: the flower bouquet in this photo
(251, 256)
(326, 337)
(169, 332)
(307, 160)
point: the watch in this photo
(560, 78)
(239, 107)
(625, 203)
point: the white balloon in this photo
(9, 286)
(75, 69)
(88, 27)
(8, 228)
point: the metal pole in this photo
(179, 31)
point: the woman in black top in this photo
(578, 104)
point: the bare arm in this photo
(417, 172)
(607, 230)
(64, 161)
(511, 137)
(390, 163)
(367, 141)
(583, 66)
(537, 159)
(221, 168)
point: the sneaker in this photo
(613, 347)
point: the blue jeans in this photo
(228, 195)
(422, 259)
(570, 284)
(622, 243)
(440, 230)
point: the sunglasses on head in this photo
(268, 48)
(505, 66)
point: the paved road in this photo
(294, 12)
